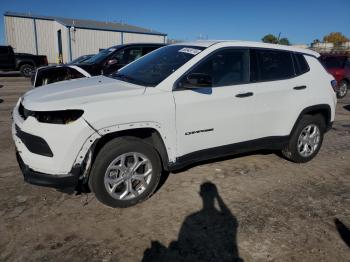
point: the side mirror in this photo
(198, 80)
(112, 61)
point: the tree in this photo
(272, 39)
(336, 38)
(284, 41)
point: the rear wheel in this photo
(27, 70)
(306, 139)
(343, 89)
(126, 171)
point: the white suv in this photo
(180, 104)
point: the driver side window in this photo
(224, 68)
(128, 55)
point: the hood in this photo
(74, 94)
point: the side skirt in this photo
(269, 143)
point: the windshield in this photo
(152, 69)
(100, 57)
(80, 59)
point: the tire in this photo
(122, 186)
(299, 138)
(343, 89)
(27, 70)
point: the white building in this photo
(67, 39)
(303, 46)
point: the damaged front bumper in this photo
(49, 180)
(51, 154)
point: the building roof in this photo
(89, 24)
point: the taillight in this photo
(334, 85)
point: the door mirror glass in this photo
(112, 61)
(198, 80)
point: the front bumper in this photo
(48, 180)
(49, 148)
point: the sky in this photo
(301, 21)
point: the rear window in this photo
(301, 64)
(333, 61)
(271, 65)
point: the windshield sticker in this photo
(191, 51)
(111, 49)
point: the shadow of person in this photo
(206, 235)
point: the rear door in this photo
(278, 94)
(6, 58)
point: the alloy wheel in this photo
(309, 140)
(128, 176)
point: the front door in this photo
(218, 115)
(122, 58)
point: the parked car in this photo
(179, 105)
(339, 67)
(25, 63)
(105, 62)
(80, 59)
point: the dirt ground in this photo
(256, 207)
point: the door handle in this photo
(299, 87)
(245, 94)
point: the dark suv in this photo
(339, 67)
(105, 62)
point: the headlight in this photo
(52, 117)
(58, 117)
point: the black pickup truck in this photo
(25, 63)
(105, 62)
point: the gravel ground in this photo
(255, 207)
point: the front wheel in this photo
(306, 139)
(126, 171)
(343, 89)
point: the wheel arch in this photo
(323, 109)
(149, 135)
(347, 80)
(96, 141)
(25, 62)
